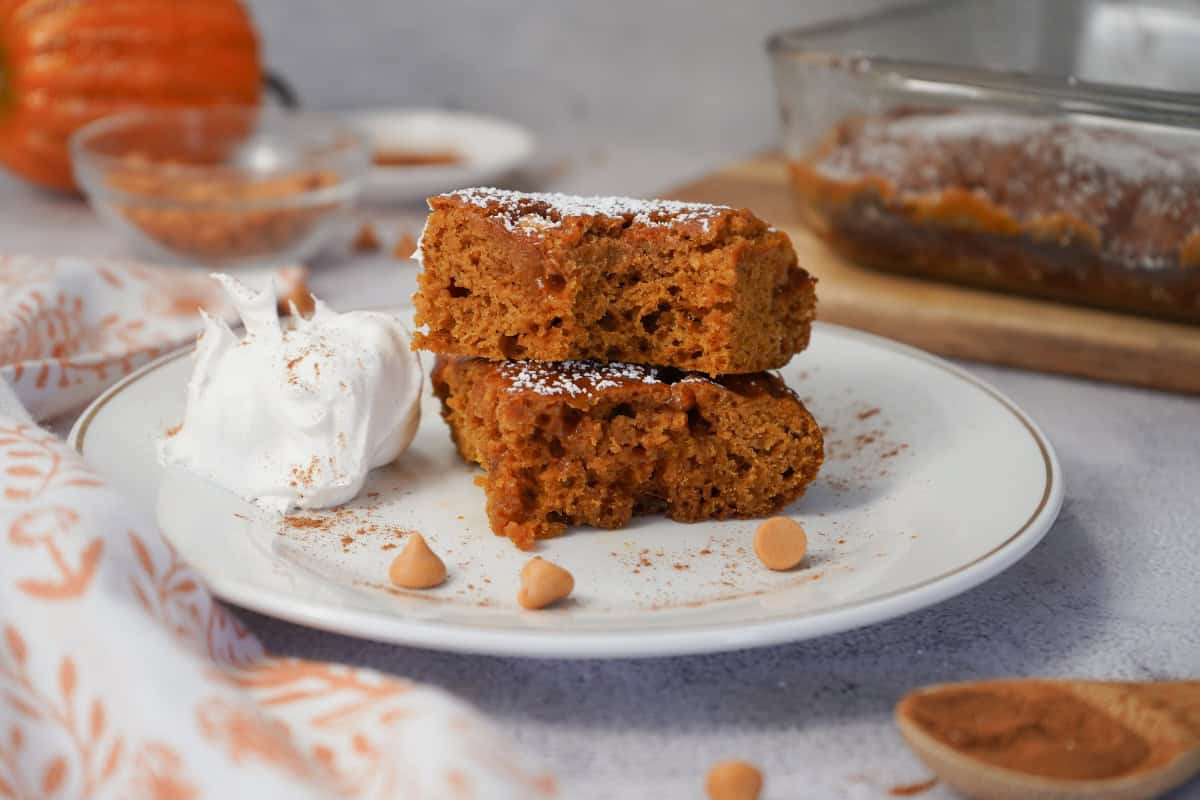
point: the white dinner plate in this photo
(490, 148)
(933, 482)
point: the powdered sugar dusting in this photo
(1071, 147)
(418, 253)
(573, 378)
(532, 213)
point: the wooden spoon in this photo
(1165, 715)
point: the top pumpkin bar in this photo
(552, 277)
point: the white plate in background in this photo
(490, 148)
(933, 483)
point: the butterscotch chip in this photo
(543, 583)
(405, 247)
(365, 241)
(733, 780)
(301, 299)
(417, 567)
(780, 543)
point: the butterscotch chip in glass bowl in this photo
(733, 780)
(417, 567)
(780, 543)
(543, 583)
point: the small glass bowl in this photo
(224, 186)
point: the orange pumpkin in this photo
(64, 63)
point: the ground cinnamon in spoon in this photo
(1030, 727)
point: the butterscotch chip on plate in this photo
(543, 583)
(733, 780)
(780, 543)
(584, 443)
(552, 277)
(417, 567)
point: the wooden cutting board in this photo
(958, 321)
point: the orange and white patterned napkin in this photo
(120, 675)
(70, 327)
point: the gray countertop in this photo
(1112, 592)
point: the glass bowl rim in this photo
(1009, 88)
(350, 155)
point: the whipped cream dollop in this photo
(296, 417)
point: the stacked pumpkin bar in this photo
(604, 357)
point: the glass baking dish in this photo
(1048, 147)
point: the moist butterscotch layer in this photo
(553, 277)
(585, 443)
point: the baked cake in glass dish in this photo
(1057, 209)
(587, 443)
(551, 277)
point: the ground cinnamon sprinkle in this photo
(1029, 727)
(306, 476)
(912, 789)
(305, 522)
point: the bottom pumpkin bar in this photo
(584, 443)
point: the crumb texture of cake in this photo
(507, 275)
(586, 443)
(1047, 207)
